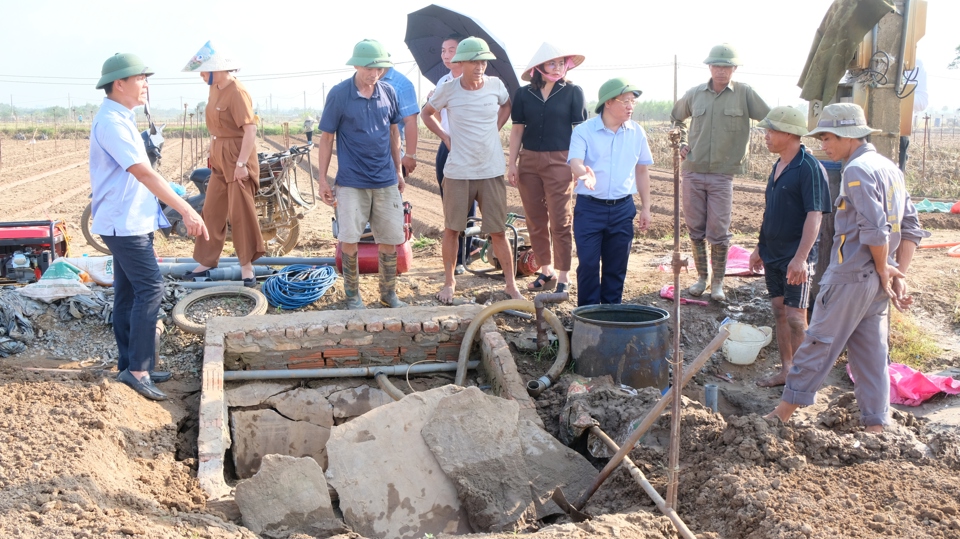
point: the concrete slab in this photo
(475, 439)
(255, 393)
(287, 495)
(389, 483)
(303, 404)
(257, 433)
(356, 401)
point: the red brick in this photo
(341, 352)
(277, 333)
(355, 324)
(257, 333)
(393, 325)
(411, 327)
(430, 326)
(375, 327)
(362, 341)
(294, 333)
(450, 324)
(312, 364)
(336, 329)
(448, 352)
(315, 330)
(235, 336)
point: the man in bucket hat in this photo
(478, 107)
(797, 196)
(126, 214)
(719, 133)
(609, 156)
(877, 231)
(363, 113)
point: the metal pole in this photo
(673, 466)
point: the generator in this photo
(27, 248)
(368, 258)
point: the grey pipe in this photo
(710, 396)
(229, 272)
(344, 372)
(388, 386)
(263, 261)
(191, 285)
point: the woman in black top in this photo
(544, 113)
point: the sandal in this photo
(543, 282)
(561, 288)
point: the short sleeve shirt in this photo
(613, 156)
(477, 153)
(228, 110)
(122, 206)
(548, 124)
(406, 95)
(444, 122)
(362, 127)
(801, 188)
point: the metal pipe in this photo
(646, 486)
(903, 47)
(229, 272)
(538, 305)
(673, 465)
(538, 386)
(384, 382)
(710, 394)
(263, 261)
(344, 372)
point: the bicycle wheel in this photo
(282, 239)
(93, 239)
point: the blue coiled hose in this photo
(298, 285)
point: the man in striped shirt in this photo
(797, 197)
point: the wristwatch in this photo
(411, 155)
(241, 164)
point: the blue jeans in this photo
(138, 289)
(603, 234)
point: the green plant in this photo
(909, 344)
(548, 352)
(422, 242)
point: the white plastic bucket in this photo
(745, 342)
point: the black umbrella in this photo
(428, 27)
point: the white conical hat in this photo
(549, 52)
(210, 58)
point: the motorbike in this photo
(277, 199)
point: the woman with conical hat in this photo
(544, 113)
(233, 161)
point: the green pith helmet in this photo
(120, 66)
(615, 88)
(369, 53)
(473, 49)
(787, 120)
(723, 55)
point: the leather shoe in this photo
(144, 386)
(159, 377)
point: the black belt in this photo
(608, 201)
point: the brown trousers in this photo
(229, 201)
(546, 190)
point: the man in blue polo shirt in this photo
(797, 197)
(609, 156)
(363, 113)
(126, 214)
(409, 110)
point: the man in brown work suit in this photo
(720, 112)
(235, 170)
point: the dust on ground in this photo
(83, 456)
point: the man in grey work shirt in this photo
(719, 133)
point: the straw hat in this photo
(844, 120)
(549, 52)
(210, 58)
(785, 119)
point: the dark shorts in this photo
(796, 296)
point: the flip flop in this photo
(543, 282)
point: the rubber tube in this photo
(563, 353)
(384, 382)
(342, 372)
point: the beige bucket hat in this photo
(844, 120)
(210, 58)
(548, 52)
(785, 119)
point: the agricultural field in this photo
(83, 456)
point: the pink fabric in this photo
(911, 387)
(738, 263)
(667, 293)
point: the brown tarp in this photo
(835, 43)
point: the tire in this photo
(180, 310)
(92, 239)
(283, 239)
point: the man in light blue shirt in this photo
(409, 110)
(609, 156)
(126, 214)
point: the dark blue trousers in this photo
(442, 153)
(138, 289)
(603, 233)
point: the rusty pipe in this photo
(539, 301)
(652, 416)
(646, 486)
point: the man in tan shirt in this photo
(721, 111)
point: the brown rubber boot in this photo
(700, 260)
(351, 282)
(388, 281)
(718, 255)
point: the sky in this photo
(292, 52)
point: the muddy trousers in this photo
(546, 189)
(852, 316)
(603, 231)
(229, 201)
(707, 205)
(138, 291)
